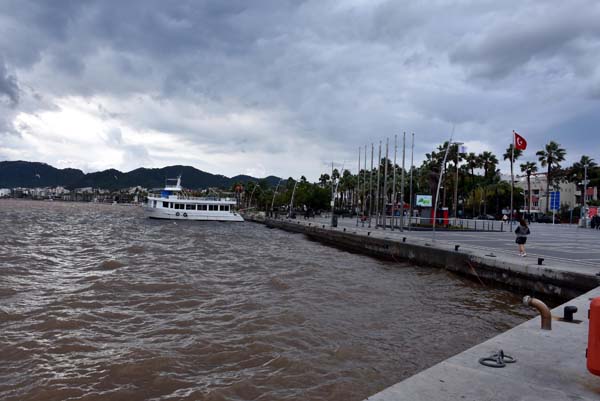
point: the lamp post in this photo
(437, 192)
(274, 193)
(584, 198)
(333, 191)
(290, 212)
(410, 196)
(455, 207)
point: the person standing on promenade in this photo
(522, 232)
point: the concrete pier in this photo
(551, 365)
(555, 277)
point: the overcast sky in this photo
(285, 87)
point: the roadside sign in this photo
(424, 200)
(555, 200)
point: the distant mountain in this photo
(32, 174)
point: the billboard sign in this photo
(424, 200)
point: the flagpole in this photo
(365, 194)
(378, 192)
(402, 183)
(371, 187)
(385, 171)
(410, 196)
(394, 183)
(512, 180)
(358, 187)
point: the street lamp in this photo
(584, 196)
(437, 192)
(455, 207)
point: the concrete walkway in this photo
(563, 247)
(551, 365)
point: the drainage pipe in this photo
(542, 308)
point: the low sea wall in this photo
(524, 276)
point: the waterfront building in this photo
(570, 192)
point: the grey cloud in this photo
(331, 73)
(9, 87)
(536, 37)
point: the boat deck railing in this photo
(195, 198)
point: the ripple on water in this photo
(115, 306)
(110, 265)
(135, 249)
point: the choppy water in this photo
(99, 303)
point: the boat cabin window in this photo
(165, 204)
(202, 207)
(190, 207)
(213, 207)
(224, 208)
(179, 206)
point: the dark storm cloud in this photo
(9, 87)
(267, 75)
(567, 31)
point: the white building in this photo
(57, 191)
(570, 193)
(38, 192)
(4, 192)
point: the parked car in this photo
(485, 217)
(544, 218)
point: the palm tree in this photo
(550, 157)
(511, 155)
(489, 162)
(472, 163)
(577, 172)
(529, 168)
(346, 186)
(508, 155)
(324, 179)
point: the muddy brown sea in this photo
(99, 303)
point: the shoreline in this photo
(552, 279)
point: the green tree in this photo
(550, 157)
(488, 161)
(473, 162)
(577, 172)
(324, 180)
(509, 153)
(529, 168)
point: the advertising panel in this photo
(424, 200)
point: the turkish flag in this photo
(520, 142)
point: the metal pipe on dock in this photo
(542, 308)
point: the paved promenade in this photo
(564, 245)
(550, 366)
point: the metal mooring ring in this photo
(497, 360)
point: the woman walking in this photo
(522, 232)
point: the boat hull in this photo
(170, 214)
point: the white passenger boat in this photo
(173, 204)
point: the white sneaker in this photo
(525, 254)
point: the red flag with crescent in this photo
(520, 142)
